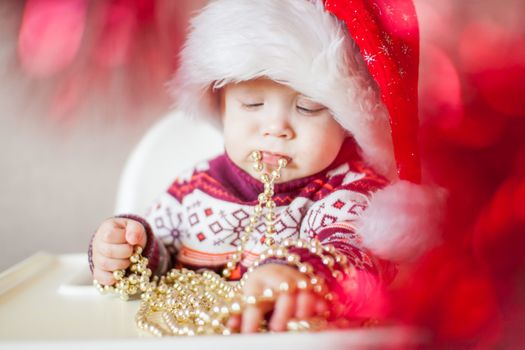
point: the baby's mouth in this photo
(272, 159)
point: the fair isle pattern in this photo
(340, 206)
(201, 222)
(167, 222)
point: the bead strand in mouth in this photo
(278, 163)
(272, 159)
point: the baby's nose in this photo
(282, 130)
(279, 126)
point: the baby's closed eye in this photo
(309, 107)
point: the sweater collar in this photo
(250, 187)
(247, 188)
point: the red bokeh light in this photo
(50, 35)
(494, 58)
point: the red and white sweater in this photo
(198, 221)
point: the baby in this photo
(286, 79)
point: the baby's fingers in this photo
(116, 251)
(234, 323)
(306, 305)
(107, 264)
(103, 277)
(283, 312)
(135, 233)
(111, 231)
(251, 319)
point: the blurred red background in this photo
(469, 291)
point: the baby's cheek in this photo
(313, 162)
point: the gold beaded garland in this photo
(132, 284)
(187, 303)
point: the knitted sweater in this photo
(198, 221)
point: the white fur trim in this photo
(402, 221)
(296, 43)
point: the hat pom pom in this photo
(402, 221)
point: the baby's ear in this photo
(218, 99)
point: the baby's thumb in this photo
(135, 233)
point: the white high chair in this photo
(174, 144)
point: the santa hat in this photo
(359, 58)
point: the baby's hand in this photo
(289, 304)
(113, 246)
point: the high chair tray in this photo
(48, 301)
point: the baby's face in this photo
(280, 122)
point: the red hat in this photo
(387, 34)
(296, 42)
